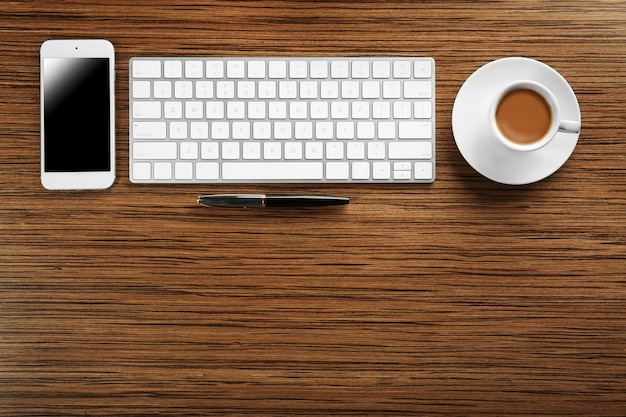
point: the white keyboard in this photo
(238, 120)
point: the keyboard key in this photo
(194, 109)
(324, 130)
(415, 130)
(376, 150)
(178, 130)
(345, 130)
(386, 130)
(391, 89)
(423, 170)
(146, 110)
(303, 130)
(365, 130)
(350, 89)
(360, 170)
(308, 89)
(220, 130)
(339, 69)
(209, 150)
(298, 69)
(293, 150)
(282, 130)
(371, 89)
(360, 69)
(381, 170)
(246, 89)
(381, 69)
(337, 170)
(334, 150)
(287, 89)
(340, 110)
(235, 109)
(319, 110)
(272, 150)
(402, 175)
(277, 69)
(256, 69)
(251, 150)
(355, 150)
(329, 89)
(194, 69)
(141, 89)
(319, 69)
(410, 150)
(423, 110)
(267, 89)
(314, 150)
(381, 110)
(272, 170)
(225, 89)
(189, 150)
(422, 69)
(241, 130)
(417, 89)
(173, 69)
(149, 130)
(154, 150)
(402, 69)
(183, 170)
(402, 110)
(215, 69)
(163, 170)
(162, 89)
(141, 171)
(204, 89)
(235, 69)
(146, 69)
(231, 150)
(199, 130)
(207, 170)
(173, 109)
(262, 130)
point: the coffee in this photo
(523, 116)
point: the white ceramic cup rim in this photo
(550, 100)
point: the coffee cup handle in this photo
(569, 126)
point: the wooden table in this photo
(464, 297)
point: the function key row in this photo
(282, 69)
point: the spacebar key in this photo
(272, 170)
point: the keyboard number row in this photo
(416, 89)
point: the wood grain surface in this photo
(464, 297)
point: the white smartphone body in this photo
(77, 114)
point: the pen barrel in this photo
(262, 200)
(304, 201)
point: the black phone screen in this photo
(76, 101)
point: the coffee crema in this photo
(523, 116)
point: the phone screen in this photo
(76, 114)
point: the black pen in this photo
(262, 200)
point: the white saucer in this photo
(492, 158)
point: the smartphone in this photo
(77, 114)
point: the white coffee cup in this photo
(524, 121)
